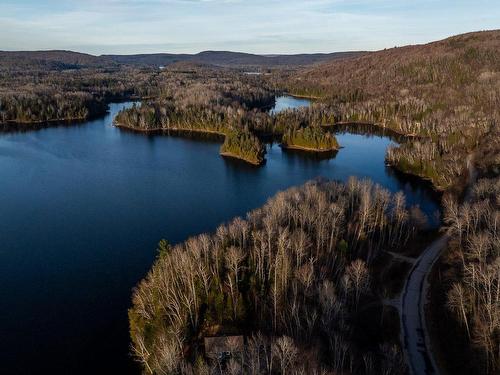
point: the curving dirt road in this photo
(415, 337)
(414, 330)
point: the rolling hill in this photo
(62, 60)
(52, 60)
(446, 92)
(228, 59)
(453, 62)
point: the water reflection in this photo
(314, 156)
(285, 102)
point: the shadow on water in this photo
(415, 183)
(13, 128)
(184, 134)
(111, 110)
(309, 155)
(241, 165)
(367, 130)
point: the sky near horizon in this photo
(255, 26)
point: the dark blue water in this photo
(83, 207)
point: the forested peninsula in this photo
(231, 104)
(300, 277)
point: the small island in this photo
(243, 145)
(311, 138)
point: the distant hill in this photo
(453, 62)
(154, 59)
(446, 92)
(227, 59)
(52, 60)
(62, 60)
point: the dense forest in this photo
(227, 102)
(444, 97)
(243, 145)
(206, 100)
(298, 277)
(45, 86)
(467, 291)
(38, 94)
(310, 138)
(446, 93)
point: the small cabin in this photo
(224, 347)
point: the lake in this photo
(82, 208)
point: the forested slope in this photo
(51, 60)
(446, 92)
(467, 283)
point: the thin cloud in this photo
(272, 26)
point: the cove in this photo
(82, 208)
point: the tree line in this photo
(243, 145)
(38, 95)
(310, 138)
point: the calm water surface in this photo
(285, 102)
(83, 207)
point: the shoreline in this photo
(236, 156)
(303, 96)
(41, 122)
(436, 188)
(89, 117)
(186, 131)
(375, 125)
(166, 130)
(309, 149)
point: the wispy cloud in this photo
(262, 26)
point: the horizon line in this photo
(236, 51)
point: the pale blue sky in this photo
(258, 26)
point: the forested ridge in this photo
(296, 277)
(238, 60)
(446, 92)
